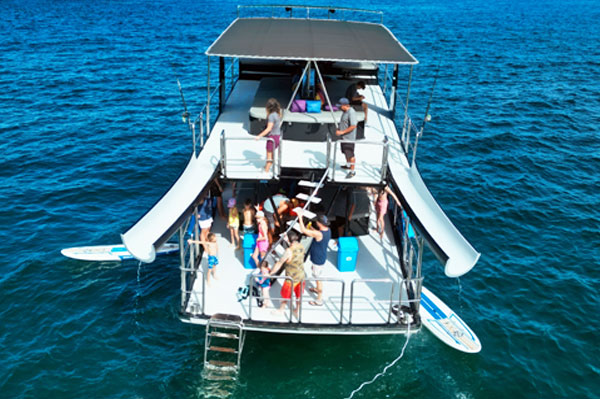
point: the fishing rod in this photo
(427, 117)
(185, 115)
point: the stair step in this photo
(222, 349)
(305, 197)
(216, 377)
(223, 335)
(296, 226)
(305, 213)
(219, 363)
(226, 317)
(307, 183)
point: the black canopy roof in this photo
(310, 39)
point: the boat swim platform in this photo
(163, 219)
(377, 259)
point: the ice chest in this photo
(248, 244)
(347, 254)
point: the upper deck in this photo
(244, 157)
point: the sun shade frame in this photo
(310, 39)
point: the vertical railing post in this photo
(221, 83)
(384, 161)
(342, 302)
(405, 126)
(385, 80)
(193, 126)
(392, 101)
(334, 160)
(183, 272)
(208, 95)
(223, 154)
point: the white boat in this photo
(258, 58)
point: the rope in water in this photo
(385, 368)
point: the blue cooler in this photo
(347, 254)
(248, 244)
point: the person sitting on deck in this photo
(356, 99)
(212, 250)
(318, 251)
(347, 129)
(293, 263)
(272, 131)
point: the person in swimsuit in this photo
(248, 213)
(293, 263)
(212, 250)
(273, 130)
(262, 241)
(233, 223)
(381, 207)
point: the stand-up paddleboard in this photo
(446, 325)
(111, 252)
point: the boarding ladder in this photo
(223, 346)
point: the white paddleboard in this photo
(110, 252)
(446, 325)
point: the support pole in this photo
(221, 83)
(326, 94)
(393, 92)
(297, 87)
(404, 125)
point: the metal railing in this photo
(384, 157)
(330, 11)
(303, 298)
(202, 124)
(275, 168)
(377, 281)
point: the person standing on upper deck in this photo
(347, 130)
(273, 130)
(356, 98)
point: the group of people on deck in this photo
(347, 125)
(267, 221)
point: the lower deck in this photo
(354, 302)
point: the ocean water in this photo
(91, 137)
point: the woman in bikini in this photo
(262, 241)
(381, 206)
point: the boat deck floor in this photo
(377, 259)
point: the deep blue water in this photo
(91, 137)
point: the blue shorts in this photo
(212, 261)
(265, 284)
